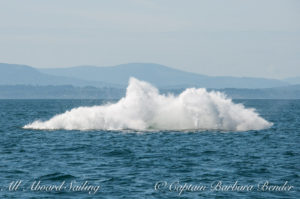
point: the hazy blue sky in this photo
(216, 37)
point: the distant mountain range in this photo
(91, 82)
(117, 76)
(13, 74)
(293, 80)
(160, 76)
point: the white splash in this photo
(143, 108)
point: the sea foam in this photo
(144, 108)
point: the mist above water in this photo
(144, 108)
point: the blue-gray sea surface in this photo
(126, 164)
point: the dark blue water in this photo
(147, 164)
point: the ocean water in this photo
(147, 164)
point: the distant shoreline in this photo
(72, 92)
